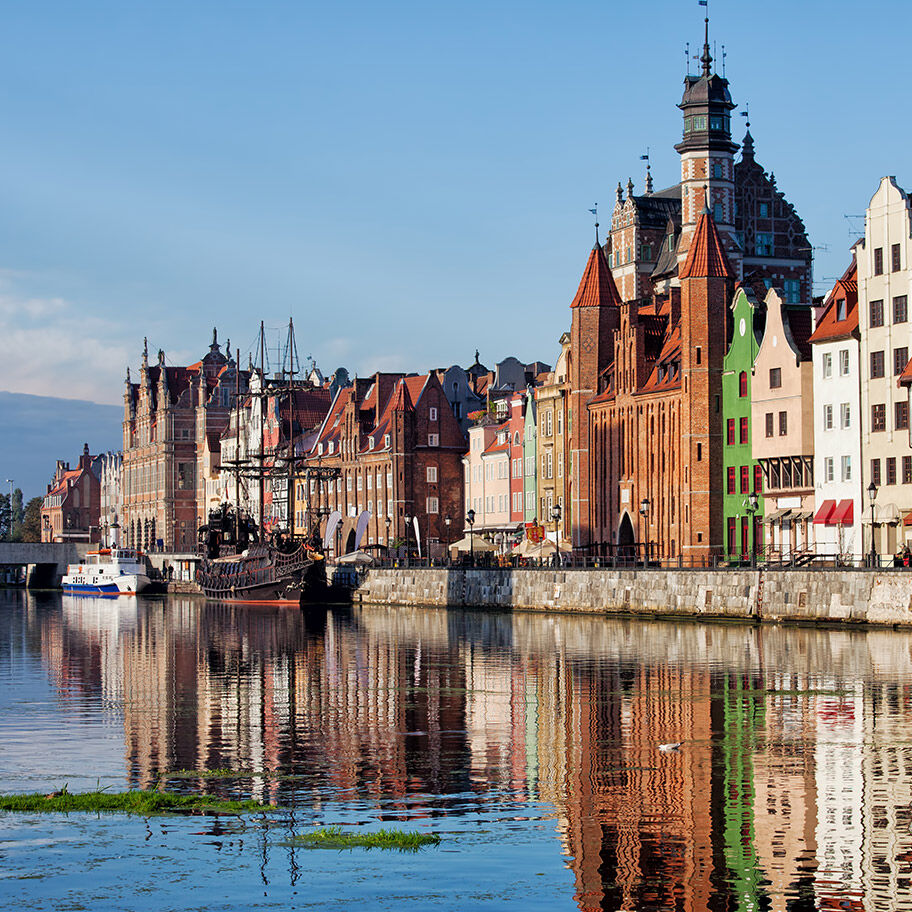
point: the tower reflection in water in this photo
(792, 788)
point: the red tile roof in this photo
(828, 327)
(596, 287)
(706, 256)
(905, 378)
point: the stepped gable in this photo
(596, 287)
(706, 256)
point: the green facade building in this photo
(741, 476)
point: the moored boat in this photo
(108, 571)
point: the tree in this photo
(17, 514)
(31, 523)
(5, 517)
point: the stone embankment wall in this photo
(816, 596)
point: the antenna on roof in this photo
(724, 55)
(854, 230)
(686, 58)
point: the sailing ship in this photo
(240, 561)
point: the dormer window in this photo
(840, 309)
(332, 447)
(386, 440)
(319, 449)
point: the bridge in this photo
(44, 562)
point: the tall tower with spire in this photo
(707, 157)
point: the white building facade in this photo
(884, 288)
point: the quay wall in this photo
(793, 595)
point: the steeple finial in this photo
(620, 192)
(629, 188)
(707, 57)
(145, 351)
(595, 213)
(645, 158)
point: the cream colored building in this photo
(552, 402)
(883, 308)
(782, 418)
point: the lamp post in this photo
(644, 512)
(407, 519)
(446, 521)
(872, 496)
(470, 519)
(388, 522)
(556, 516)
(752, 503)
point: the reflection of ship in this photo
(108, 571)
(236, 568)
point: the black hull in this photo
(304, 583)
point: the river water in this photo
(530, 743)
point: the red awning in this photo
(907, 519)
(823, 514)
(844, 514)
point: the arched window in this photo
(742, 384)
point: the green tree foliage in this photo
(12, 516)
(31, 523)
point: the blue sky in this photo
(410, 181)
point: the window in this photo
(745, 479)
(348, 483)
(698, 354)
(743, 431)
(846, 468)
(875, 472)
(775, 377)
(840, 309)
(828, 417)
(717, 168)
(891, 470)
(370, 443)
(758, 479)
(432, 474)
(900, 309)
(877, 364)
(900, 360)
(828, 468)
(433, 505)
(792, 289)
(432, 414)
(433, 440)
(730, 432)
(360, 483)
(742, 385)
(186, 476)
(843, 362)
(764, 210)
(550, 470)
(769, 424)
(878, 261)
(879, 417)
(560, 421)
(763, 246)
(876, 314)
(699, 452)
(547, 417)
(717, 212)
(730, 481)
(845, 415)
(645, 252)
(560, 465)
(370, 481)
(332, 447)
(783, 424)
(901, 415)
(386, 440)
(827, 362)
(907, 470)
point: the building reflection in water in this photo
(792, 789)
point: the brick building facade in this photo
(173, 421)
(71, 508)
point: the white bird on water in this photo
(670, 748)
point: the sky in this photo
(409, 181)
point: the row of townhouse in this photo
(817, 455)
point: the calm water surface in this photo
(529, 743)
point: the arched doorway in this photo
(626, 539)
(350, 542)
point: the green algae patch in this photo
(337, 838)
(146, 804)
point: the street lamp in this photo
(407, 519)
(644, 512)
(470, 519)
(872, 496)
(753, 502)
(556, 516)
(389, 522)
(447, 520)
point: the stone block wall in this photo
(818, 596)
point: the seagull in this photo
(671, 748)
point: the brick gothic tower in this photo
(595, 317)
(707, 158)
(707, 284)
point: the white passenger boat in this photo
(108, 571)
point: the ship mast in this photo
(261, 446)
(291, 459)
(237, 447)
